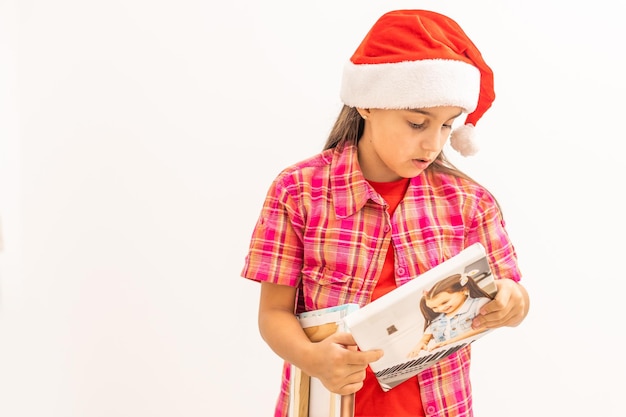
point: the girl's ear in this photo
(363, 112)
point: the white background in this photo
(138, 138)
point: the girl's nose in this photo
(432, 139)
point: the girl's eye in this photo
(447, 126)
(417, 125)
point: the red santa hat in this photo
(416, 59)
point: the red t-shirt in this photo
(403, 400)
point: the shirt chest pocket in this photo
(323, 287)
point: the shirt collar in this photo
(350, 189)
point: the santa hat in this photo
(416, 59)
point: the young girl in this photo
(380, 205)
(448, 309)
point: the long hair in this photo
(453, 284)
(348, 129)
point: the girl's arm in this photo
(455, 339)
(334, 361)
(509, 308)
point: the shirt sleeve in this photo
(488, 227)
(276, 250)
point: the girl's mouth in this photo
(421, 163)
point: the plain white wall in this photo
(138, 138)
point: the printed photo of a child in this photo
(448, 309)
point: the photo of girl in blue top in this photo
(448, 309)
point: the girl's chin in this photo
(412, 172)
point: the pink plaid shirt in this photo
(325, 230)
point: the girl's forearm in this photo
(279, 326)
(283, 334)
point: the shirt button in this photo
(387, 228)
(400, 271)
(430, 409)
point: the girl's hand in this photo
(334, 359)
(337, 363)
(417, 349)
(509, 308)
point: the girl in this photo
(448, 309)
(380, 205)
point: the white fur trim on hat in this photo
(411, 85)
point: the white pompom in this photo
(463, 140)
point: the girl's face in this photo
(446, 302)
(402, 143)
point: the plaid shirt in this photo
(325, 230)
